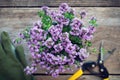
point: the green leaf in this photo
(77, 63)
(93, 50)
(67, 66)
(69, 15)
(47, 22)
(66, 29)
(93, 22)
(26, 34)
(64, 53)
(18, 40)
(58, 41)
(41, 13)
(76, 40)
(42, 48)
(48, 35)
(88, 43)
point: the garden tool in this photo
(90, 65)
(12, 60)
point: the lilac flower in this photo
(54, 14)
(71, 61)
(49, 43)
(88, 36)
(58, 47)
(76, 24)
(65, 42)
(29, 70)
(64, 36)
(38, 24)
(75, 32)
(55, 31)
(34, 48)
(22, 35)
(64, 7)
(34, 42)
(82, 14)
(70, 48)
(35, 56)
(83, 54)
(55, 73)
(38, 34)
(45, 8)
(62, 20)
(85, 34)
(91, 29)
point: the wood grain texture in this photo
(55, 3)
(14, 20)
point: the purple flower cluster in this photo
(55, 48)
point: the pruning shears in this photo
(90, 65)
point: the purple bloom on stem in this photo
(65, 42)
(45, 8)
(82, 14)
(93, 18)
(83, 54)
(58, 47)
(64, 36)
(55, 31)
(22, 35)
(34, 48)
(29, 70)
(75, 32)
(62, 20)
(37, 33)
(85, 34)
(76, 24)
(49, 43)
(64, 7)
(70, 48)
(38, 24)
(91, 29)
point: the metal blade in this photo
(101, 51)
(100, 55)
(107, 55)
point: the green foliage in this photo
(69, 15)
(66, 29)
(42, 48)
(93, 50)
(18, 40)
(77, 63)
(57, 42)
(93, 22)
(88, 43)
(41, 13)
(47, 22)
(48, 35)
(64, 53)
(76, 40)
(26, 32)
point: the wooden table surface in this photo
(13, 20)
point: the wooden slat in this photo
(14, 20)
(54, 3)
(81, 78)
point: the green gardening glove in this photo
(12, 60)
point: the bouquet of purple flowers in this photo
(58, 40)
